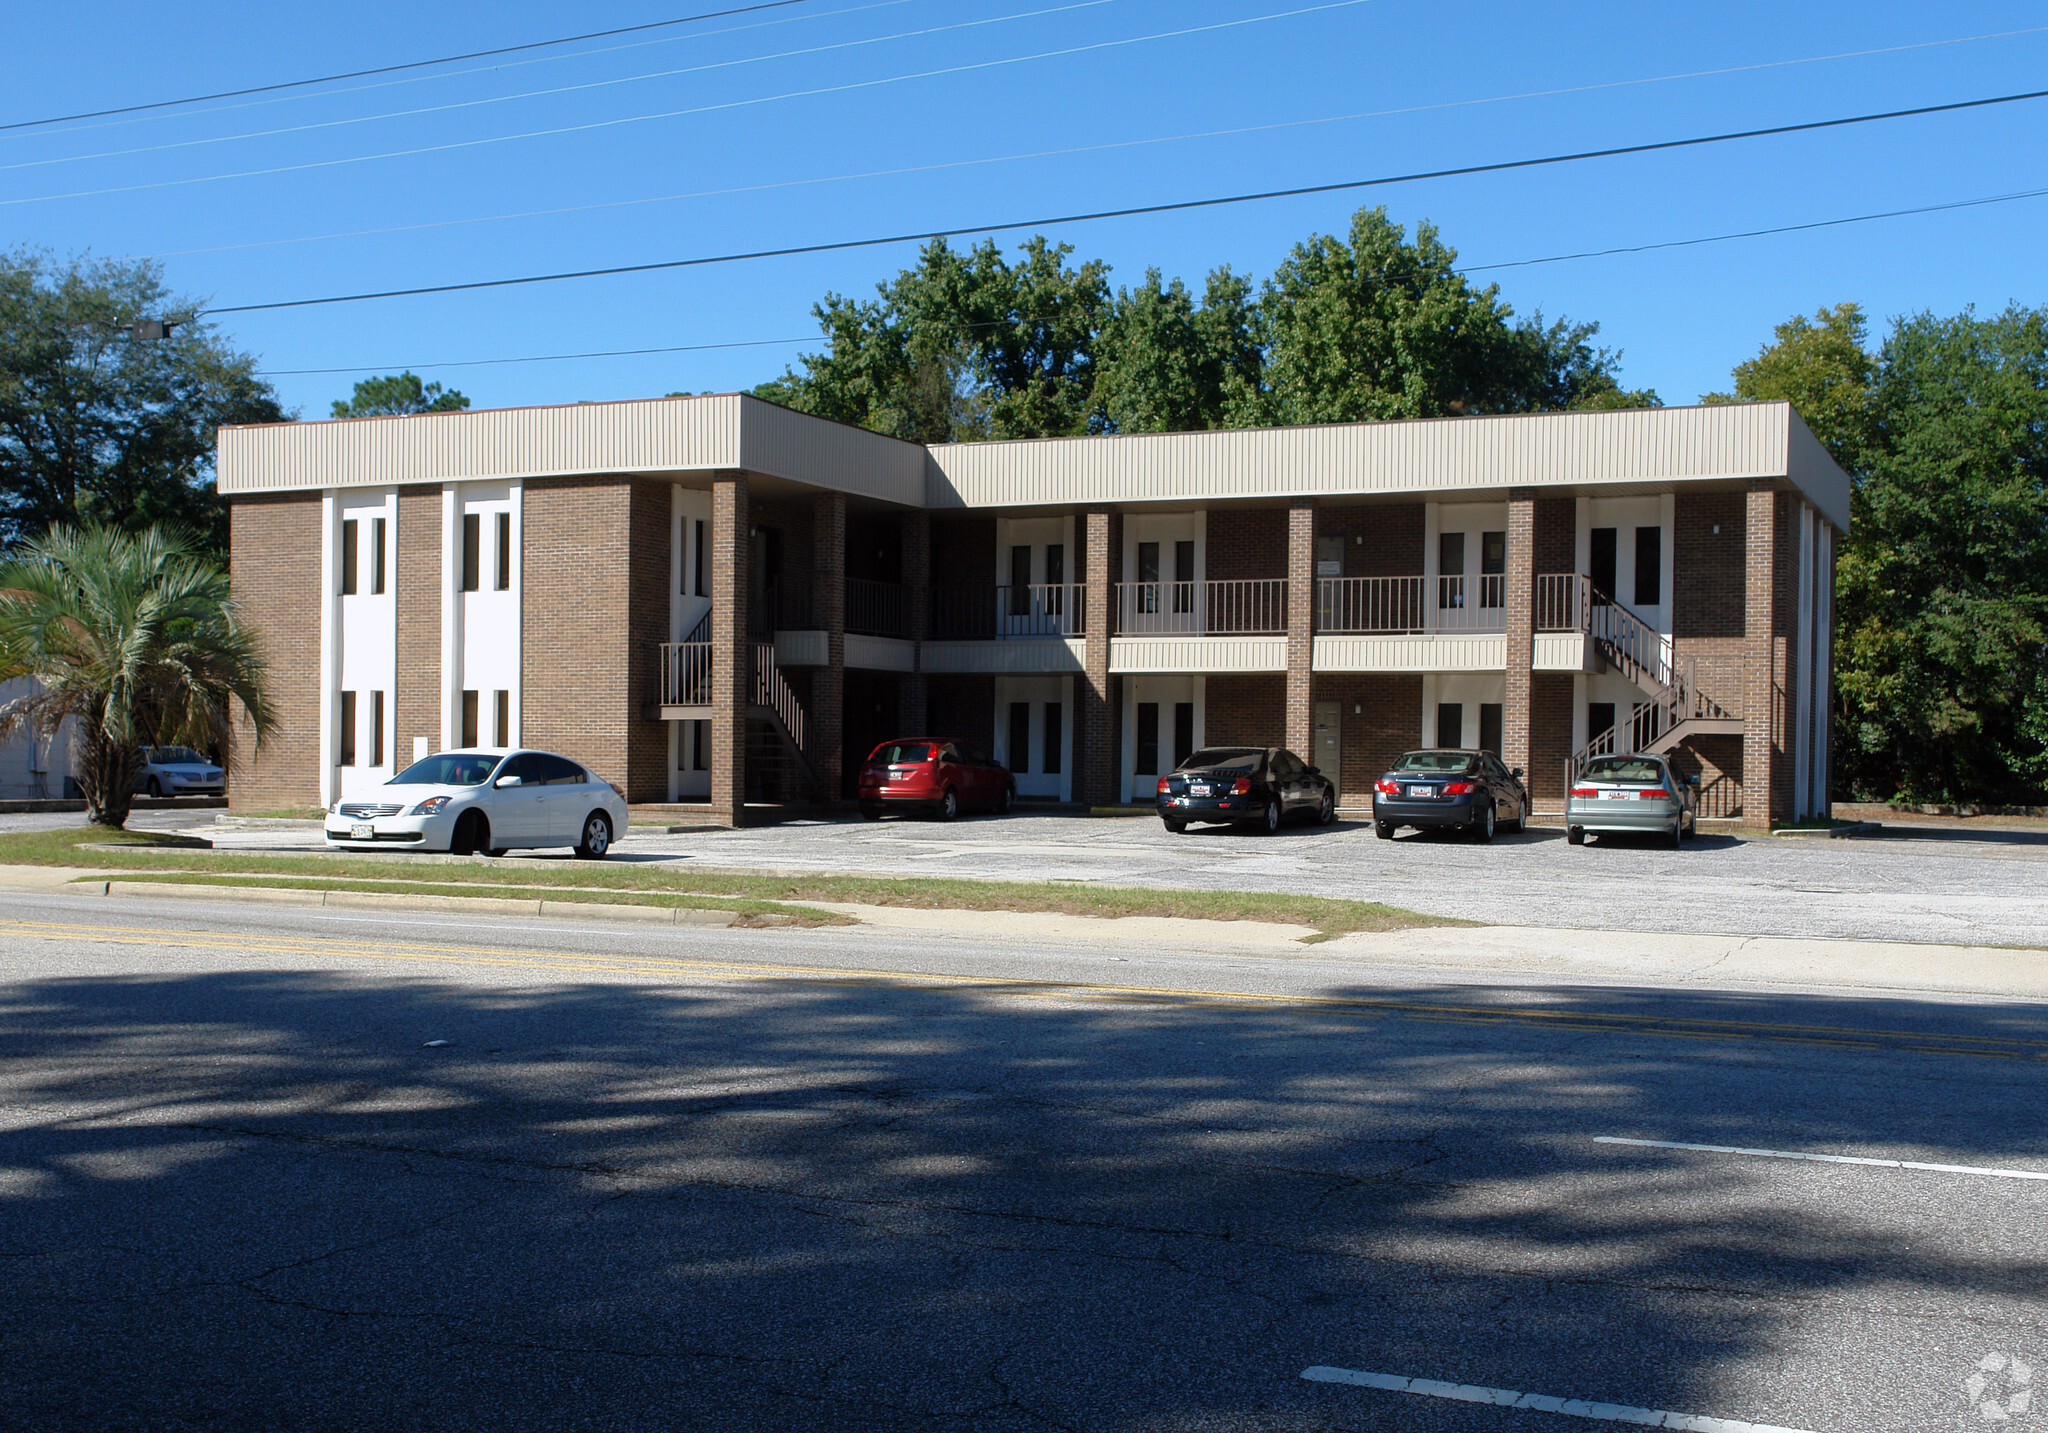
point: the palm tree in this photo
(137, 636)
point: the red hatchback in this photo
(942, 777)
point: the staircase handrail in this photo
(772, 690)
(686, 669)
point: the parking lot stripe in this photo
(1541, 1402)
(1828, 1158)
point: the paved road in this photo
(848, 1179)
(1955, 887)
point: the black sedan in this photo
(1439, 790)
(1245, 785)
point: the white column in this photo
(518, 677)
(1824, 668)
(451, 615)
(1802, 722)
(330, 644)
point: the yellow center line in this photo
(1571, 1021)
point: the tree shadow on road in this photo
(260, 1199)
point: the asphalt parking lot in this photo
(1911, 883)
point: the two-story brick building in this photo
(716, 599)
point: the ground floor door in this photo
(1328, 754)
(1034, 734)
(1163, 724)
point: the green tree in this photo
(97, 425)
(135, 637)
(1167, 365)
(1941, 590)
(397, 393)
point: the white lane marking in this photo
(1541, 1403)
(1829, 1158)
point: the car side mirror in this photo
(1692, 781)
(505, 781)
(1516, 773)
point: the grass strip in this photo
(1326, 915)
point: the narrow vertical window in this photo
(1493, 566)
(697, 561)
(1450, 724)
(504, 719)
(683, 735)
(1450, 569)
(1183, 732)
(1055, 564)
(472, 551)
(1148, 577)
(504, 583)
(377, 726)
(1054, 739)
(1490, 714)
(377, 555)
(1649, 567)
(701, 760)
(1148, 738)
(1184, 576)
(348, 728)
(348, 557)
(469, 718)
(1020, 736)
(1602, 551)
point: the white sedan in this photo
(178, 771)
(484, 799)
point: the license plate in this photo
(362, 831)
(1427, 791)
(1197, 790)
(1617, 796)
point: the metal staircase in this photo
(1675, 709)
(778, 764)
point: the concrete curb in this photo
(1832, 833)
(394, 901)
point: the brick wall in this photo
(1242, 544)
(1392, 533)
(274, 557)
(594, 579)
(1246, 710)
(1387, 722)
(1550, 736)
(1707, 591)
(1717, 761)
(416, 587)
(1557, 536)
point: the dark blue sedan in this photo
(1258, 786)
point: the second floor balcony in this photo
(994, 613)
(1245, 607)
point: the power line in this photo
(554, 90)
(682, 113)
(1462, 269)
(394, 69)
(1179, 206)
(1086, 148)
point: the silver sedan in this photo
(1632, 793)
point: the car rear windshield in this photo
(903, 753)
(1225, 758)
(1435, 761)
(449, 768)
(1624, 768)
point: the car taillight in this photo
(1163, 785)
(1461, 788)
(1243, 787)
(1585, 791)
(1655, 793)
(1387, 786)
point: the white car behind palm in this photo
(178, 771)
(487, 799)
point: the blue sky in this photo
(784, 105)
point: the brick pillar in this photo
(828, 683)
(1519, 600)
(911, 696)
(1096, 782)
(1760, 794)
(1301, 626)
(732, 658)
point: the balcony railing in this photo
(1562, 602)
(1475, 603)
(1044, 609)
(1370, 605)
(686, 674)
(1238, 608)
(782, 604)
(875, 608)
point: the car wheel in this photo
(497, 850)
(472, 834)
(1269, 819)
(1483, 832)
(1176, 827)
(949, 805)
(156, 791)
(1006, 801)
(1522, 815)
(1327, 812)
(1678, 831)
(1383, 829)
(1575, 836)
(597, 838)
(870, 813)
